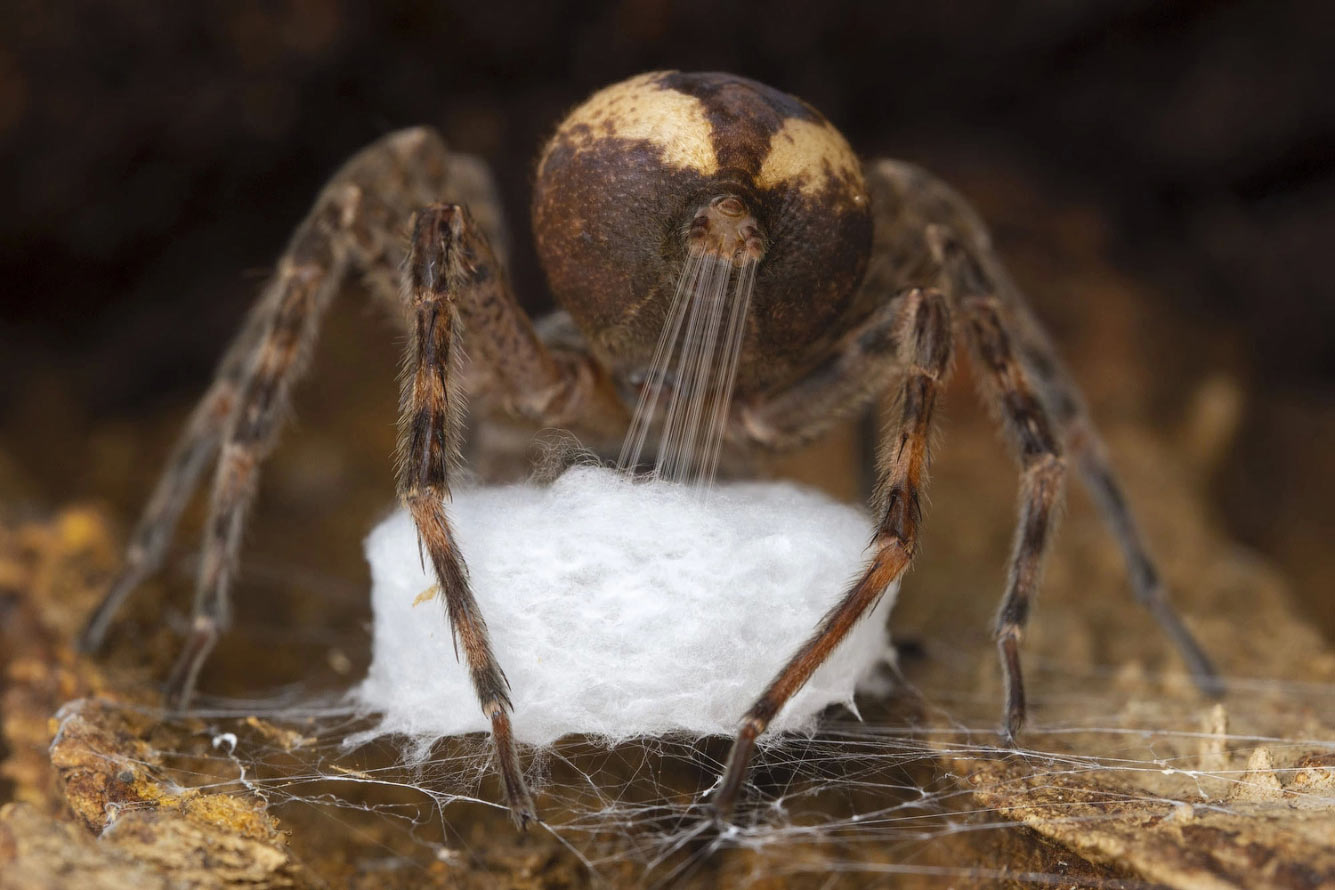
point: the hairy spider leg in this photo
(1042, 415)
(358, 225)
(453, 281)
(1089, 457)
(920, 204)
(1009, 385)
(194, 448)
(307, 278)
(442, 271)
(921, 345)
(341, 223)
(455, 289)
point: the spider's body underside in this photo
(864, 276)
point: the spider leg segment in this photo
(1089, 457)
(452, 283)
(1038, 401)
(1091, 461)
(1043, 469)
(921, 345)
(449, 266)
(1042, 481)
(924, 219)
(306, 281)
(196, 446)
(451, 279)
(243, 407)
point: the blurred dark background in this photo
(155, 156)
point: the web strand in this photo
(687, 392)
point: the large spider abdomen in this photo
(621, 179)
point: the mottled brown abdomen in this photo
(624, 175)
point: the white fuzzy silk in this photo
(622, 609)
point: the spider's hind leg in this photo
(1042, 484)
(1089, 458)
(308, 276)
(934, 221)
(1044, 414)
(241, 411)
(195, 447)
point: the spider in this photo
(863, 277)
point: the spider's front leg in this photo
(441, 273)
(914, 334)
(453, 280)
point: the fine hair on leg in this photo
(921, 344)
(1088, 456)
(1007, 384)
(442, 266)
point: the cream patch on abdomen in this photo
(802, 150)
(639, 110)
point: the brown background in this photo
(154, 157)
(1160, 178)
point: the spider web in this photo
(918, 788)
(1123, 763)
